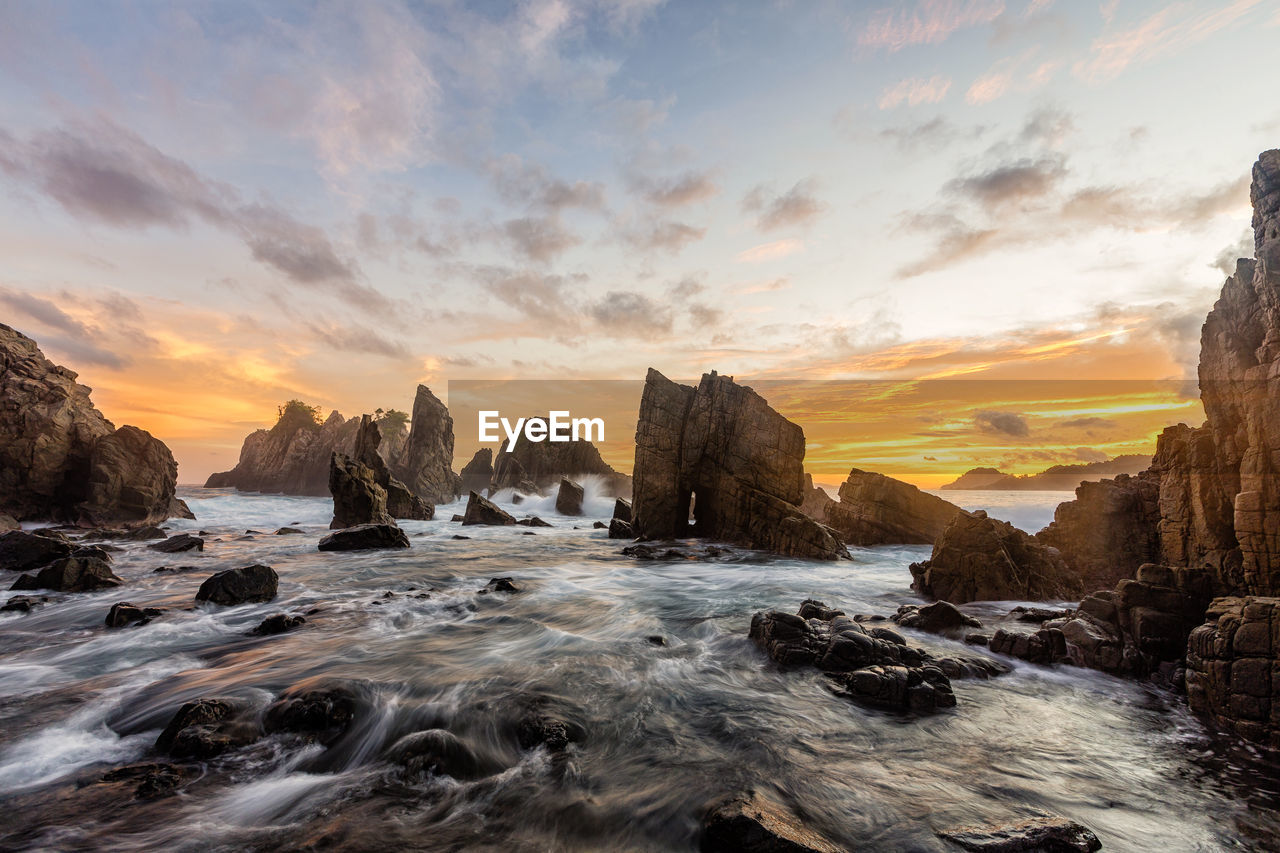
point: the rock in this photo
(132, 482)
(425, 464)
(619, 529)
(123, 613)
(153, 780)
(622, 510)
(8, 522)
(1039, 614)
(877, 510)
(287, 531)
(484, 511)
(175, 569)
(533, 466)
(478, 473)
(247, 585)
(720, 452)
(23, 603)
(1109, 530)
(365, 537)
(60, 459)
(364, 492)
(21, 551)
(70, 574)
(983, 559)
(1045, 646)
(500, 585)
(457, 536)
(320, 711)
(653, 552)
(749, 823)
(277, 623)
(569, 498)
(176, 544)
(437, 751)
(1056, 478)
(1232, 665)
(941, 617)
(292, 457)
(204, 728)
(1042, 834)
(533, 521)
(871, 667)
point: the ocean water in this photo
(668, 728)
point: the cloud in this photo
(1001, 423)
(915, 91)
(74, 337)
(686, 189)
(1089, 423)
(765, 252)
(1242, 248)
(632, 314)
(669, 237)
(925, 22)
(932, 135)
(1167, 32)
(1017, 182)
(1013, 74)
(352, 337)
(796, 207)
(520, 182)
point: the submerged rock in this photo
(484, 511)
(365, 537)
(247, 585)
(533, 521)
(440, 752)
(206, 728)
(287, 531)
(322, 712)
(277, 623)
(176, 544)
(941, 617)
(1043, 834)
(123, 613)
(153, 780)
(569, 498)
(749, 823)
(70, 574)
(984, 559)
(23, 603)
(500, 585)
(720, 452)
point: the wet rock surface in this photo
(941, 617)
(569, 498)
(250, 584)
(1233, 667)
(484, 511)
(277, 623)
(179, 543)
(365, 537)
(21, 551)
(750, 823)
(122, 614)
(71, 574)
(720, 451)
(1043, 834)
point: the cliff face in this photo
(61, 460)
(291, 458)
(722, 452)
(1218, 490)
(877, 510)
(425, 461)
(1109, 530)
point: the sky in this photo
(209, 208)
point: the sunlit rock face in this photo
(877, 510)
(720, 453)
(61, 460)
(291, 458)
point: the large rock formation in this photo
(61, 460)
(478, 473)
(877, 510)
(291, 458)
(978, 558)
(1233, 667)
(720, 452)
(540, 465)
(425, 464)
(364, 492)
(1109, 530)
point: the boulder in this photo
(720, 453)
(318, 711)
(569, 498)
(504, 584)
(1109, 530)
(437, 751)
(247, 585)
(478, 473)
(179, 543)
(533, 521)
(750, 823)
(1233, 668)
(619, 529)
(1041, 834)
(206, 728)
(60, 459)
(365, 537)
(941, 617)
(123, 613)
(23, 603)
(484, 511)
(21, 551)
(70, 574)
(877, 510)
(425, 462)
(983, 559)
(277, 623)
(622, 510)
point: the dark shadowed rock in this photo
(569, 498)
(478, 473)
(622, 510)
(877, 510)
(292, 457)
(941, 617)
(533, 521)
(23, 603)
(749, 823)
(250, 584)
(319, 711)
(500, 585)
(364, 492)
(277, 623)
(484, 511)
(983, 559)
(1233, 667)
(288, 531)
(1109, 530)
(132, 482)
(619, 529)
(440, 752)
(179, 543)
(151, 780)
(1042, 834)
(365, 537)
(123, 613)
(720, 452)
(205, 728)
(533, 467)
(70, 574)
(425, 462)
(21, 551)
(8, 522)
